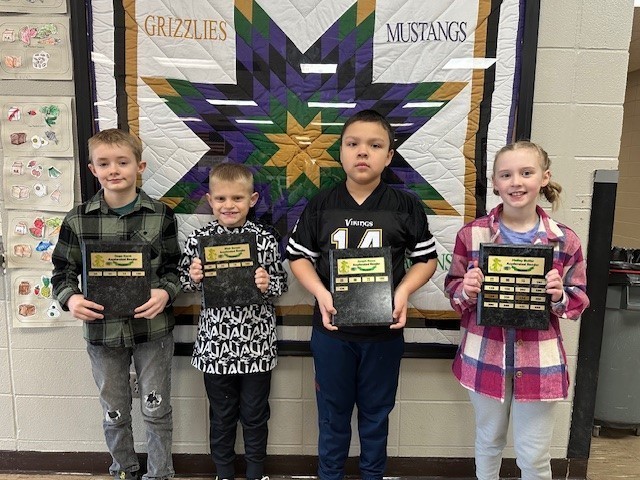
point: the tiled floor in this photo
(615, 454)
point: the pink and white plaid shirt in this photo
(540, 361)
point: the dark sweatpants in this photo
(364, 374)
(232, 398)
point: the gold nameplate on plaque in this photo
(116, 260)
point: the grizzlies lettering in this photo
(188, 28)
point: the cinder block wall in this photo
(626, 227)
(47, 396)
(577, 117)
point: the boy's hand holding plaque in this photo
(362, 286)
(116, 275)
(513, 292)
(229, 263)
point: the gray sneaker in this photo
(122, 475)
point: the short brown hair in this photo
(231, 172)
(115, 136)
(371, 116)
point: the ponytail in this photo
(552, 193)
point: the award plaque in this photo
(513, 293)
(117, 275)
(362, 286)
(229, 263)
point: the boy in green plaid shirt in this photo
(121, 212)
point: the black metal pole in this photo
(528, 70)
(83, 94)
(603, 206)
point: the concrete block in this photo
(602, 76)
(557, 83)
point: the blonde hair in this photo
(114, 136)
(231, 172)
(551, 190)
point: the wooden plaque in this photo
(362, 286)
(514, 289)
(229, 262)
(117, 275)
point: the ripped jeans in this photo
(152, 361)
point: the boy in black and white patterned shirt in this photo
(236, 346)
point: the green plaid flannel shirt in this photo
(150, 221)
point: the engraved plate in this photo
(519, 269)
(368, 301)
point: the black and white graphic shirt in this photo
(237, 340)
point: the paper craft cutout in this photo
(32, 302)
(31, 238)
(34, 6)
(36, 126)
(14, 114)
(40, 183)
(35, 48)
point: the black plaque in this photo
(117, 275)
(362, 286)
(514, 288)
(229, 262)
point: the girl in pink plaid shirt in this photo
(517, 372)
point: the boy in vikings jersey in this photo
(359, 365)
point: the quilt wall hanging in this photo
(270, 83)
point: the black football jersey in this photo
(388, 217)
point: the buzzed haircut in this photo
(115, 136)
(231, 172)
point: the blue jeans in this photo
(347, 374)
(152, 361)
